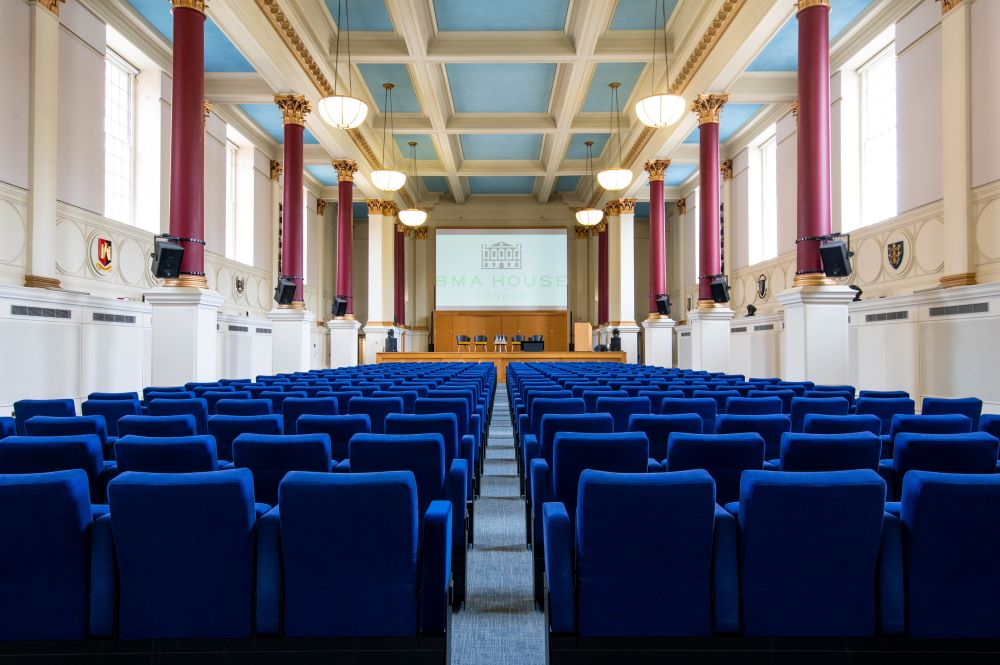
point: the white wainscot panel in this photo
(683, 346)
(755, 346)
(244, 347)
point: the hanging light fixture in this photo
(344, 111)
(660, 110)
(589, 216)
(617, 177)
(413, 216)
(388, 180)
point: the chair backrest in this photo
(817, 423)
(554, 423)
(462, 339)
(974, 452)
(367, 589)
(29, 408)
(198, 532)
(770, 427)
(721, 397)
(409, 397)
(544, 406)
(456, 405)
(830, 452)
(704, 407)
(377, 408)
(162, 389)
(112, 410)
(625, 452)
(644, 552)
(278, 397)
(951, 524)
(944, 424)
(421, 454)
(230, 406)
(884, 408)
(971, 407)
(46, 524)
(134, 396)
(197, 407)
(809, 545)
(340, 429)
(68, 426)
(443, 424)
(225, 429)
(7, 427)
(270, 456)
(213, 397)
(480, 339)
(884, 394)
(178, 425)
(153, 395)
(768, 391)
(621, 408)
(659, 427)
(753, 406)
(297, 406)
(180, 454)
(725, 456)
(656, 397)
(590, 397)
(831, 406)
(826, 394)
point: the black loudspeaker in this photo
(720, 288)
(339, 306)
(391, 342)
(285, 291)
(836, 257)
(616, 340)
(167, 255)
(663, 305)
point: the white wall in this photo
(985, 92)
(215, 185)
(787, 156)
(15, 76)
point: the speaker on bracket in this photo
(836, 255)
(285, 291)
(720, 288)
(663, 304)
(167, 255)
(339, 306)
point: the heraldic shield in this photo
(895, 253)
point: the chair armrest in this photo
(558, 566)
(261, 509)
(343, 466)
(893, 508)
(269, 573)
(725, 582)
(99, 510)
(476, 427)
(223, 464)
(652, 466)
(888, 474)
(468, 448)
(109, 473)
(103, 578)
(541, 492)
(890, 576)
(332, 466)
(522, 426)
(733, 508)
(456, 489)
(436, 575)
(772, 465)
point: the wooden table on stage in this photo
(502, 359)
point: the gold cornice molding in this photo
(726, 169)
(420, 233)
(795, 109)
(197, 5)
(294, 109)
(346, 168)
(374, 206)
(276, 170)
(389, 209)
(320, 207)
(947, 6)
(39, 282)
(961, 279)
(808, 4)
(709, 107)
(613, 208)
(656, 168)
(52, 6)
(682, 206)
(206, 106)
(627, 206)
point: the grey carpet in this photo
(499, 623)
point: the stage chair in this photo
(463, 342)
(500, 344)
(225, 429)
(178, 454)
(41, 454)
(479, 340)
(296, 406)
(270, 456)
(828, 452)
(724, 456)
(28, 408)
(340, 429)
(970, 407)
(974, 452)
(196, 407)
(830, 406)
(515, 342)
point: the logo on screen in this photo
(501, 256)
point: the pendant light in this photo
(617, 177)
(388, 180)
(344, 111)
(660, 110)
(589, 216)
(413, 216)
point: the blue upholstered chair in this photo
(884, 394)
(884, 407)
(243, 407)
(921, 424)
(721, 397)
(133, 396)
(706, 408)
(179, 425)
(161, 389)
(391, 582)
(180, 454)
(409, 397)
(8, 427)
(444, 424)
(225, 429)
(753, 406)
(270, 456)
(829, 452)
(530, 423)
(817, 423)
(951, 524)
(990, 422)
(198, 532)
(770, 427)
(724, 456)
(578, 390)
(656, 397)
(971, 407)
(41, 454)
(29, 408)
(809, 555)
(197, 407)
(340, 429)
(278, 397)
(659, 427)
(68, 426)
(46, 525)
(974, 452)
(622, 408)
(154, 395)
(213, 397)
(831, 394)
(830, 406)
(295, 407)
(771, 391)
(653, 556)
(590, 397)
(468, 424)
(112, 410)
(376, 408)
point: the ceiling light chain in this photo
(589, 216)
(413, 216)
(617, 177)
(388, 179)
(343, 111)
(664, 109)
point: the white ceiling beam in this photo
(764, 88)
(237, 88)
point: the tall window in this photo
(762, 198)
(119, 137)
(231, 202)
(878, 136)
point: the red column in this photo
(294, 109)
(399, 276)
(708, 108)
(656, 168)
(187, 141)
(602, 273)
(346, 168)
(813, 138)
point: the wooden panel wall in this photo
(553, 325)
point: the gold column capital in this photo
(627, 206)
(420, 233)
(197, 5)
(726, 169)
(682, 206)
(948, 5)
(581, 232)
(206, 106)
(602, 227)
(806, 4)
(346, 168)
(320, 207)
(656, 168)
(374, 206)
(294, 109)
(795, 109)
(708, 107)
(389, 209)
(276, 169)
(51, 5)
(613, 208)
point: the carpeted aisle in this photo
(499, 623)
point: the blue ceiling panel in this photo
(435, 183)
(638, 15)
(678, 173)
(501, 146)
(325, 173)
(567, 183)
(220, 54)
(366, 16)
(268, 118)
(512, 15)
(642, 209)
(733, 117)
(501, 184)
(425, 146)
(599, 96)
(404, 100)
(577, 149)
(507, 88)
(782, 53)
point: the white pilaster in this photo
(710, 338)
(291, 339)
(416, 340)
(815, 342)
(185, 334)
(343, 342)
(380, 270)
(621, 278)
(658, 341)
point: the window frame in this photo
(885, 54)
(114, 59)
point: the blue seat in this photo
(384, 584)
(724, 456)
(29, 408)
(443, 424)
(152, 396)
(597, 388)
(771, 428)
(180, 454)
(7, 427)
(830, 452)
(590, 397)
(990, 422)
(46, 562)
(409, 397)
(658, 429)
(971, 407)
(951, 524)
(884, 407)
(943, 424)
(529, 423)
(641, 563)
(340, 429)
(197, 407)
(198, 532)
(295, 407)
(225, 429)
(884, 394)
(656, 397)
(213, 397)
(278, 397)
(270, 456)
(769, 391)
(41, 454)
(468, 424)
(705, 407)
(180, 425)
(161, 389)
(974, 452)
(112, 410)
(71, 426)
(753, 406)
(376, 408)
(809, 555)
(243, 407)
(816, 423)
(830, 406)
(831, 394)
(622, 408)
(127, 396)
(721, 397)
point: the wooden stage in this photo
(502, 359)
